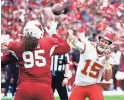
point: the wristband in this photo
(107, 65)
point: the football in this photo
(57, 9)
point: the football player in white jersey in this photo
(95, 60)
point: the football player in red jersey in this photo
(95, 59)
(33, 54)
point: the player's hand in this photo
(107, 55)
(52, 30)
(107, 61)
(71, 39)
(64, 82)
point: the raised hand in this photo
(71, 39)
(107, 54)
(52, 30)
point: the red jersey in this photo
(35, 65)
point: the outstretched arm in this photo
(62, 46)
(73, 41)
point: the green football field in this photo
(108, 98)
(121, 97)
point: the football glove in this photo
(52, 30)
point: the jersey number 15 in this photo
(94, 71)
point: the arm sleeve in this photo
(81, 46)
(62, 47)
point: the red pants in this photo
(34, 91)
(93, 92)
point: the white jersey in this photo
(91, 65)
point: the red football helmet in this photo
(108, 36)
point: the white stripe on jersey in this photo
(54, 63)
(60, 67)
(57, 62)
(52, 50)
(67, 56)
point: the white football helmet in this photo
(34, 28)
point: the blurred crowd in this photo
(86, 18)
